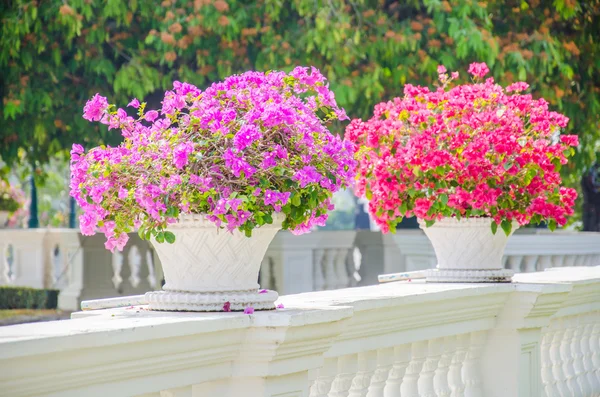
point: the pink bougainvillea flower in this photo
(227, 307)
(471, 150)
(237, 152)
(249, 310)
(280, 306)
(94, 108)
(263, 291)
(478, 69)
(134, 103)
(151, 116)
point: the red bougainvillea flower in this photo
(471, 150)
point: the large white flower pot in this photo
(467, 251)
(208, 269)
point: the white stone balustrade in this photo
(538, 336)
(528, 250)
(83, 269)
(79, 266)
(310, 262)
(23, 258)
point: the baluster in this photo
(135, 264)
(322, 385)
(341, 272)
(544, 262)
(318, 269)
(10, 268)
(395, 379)
(587, 260)
(546, 363)
(578, 365)
(455, 379)
(3, 264)
(588, 365)
(558, 260)
(117, 265)
(265, 273)
(472, 365)
(385, 361)
(329, 267)
(595, 349)
(353, 266)
(440, 379)
(346, 370)
(569, 260)
(151, 274)
(559, 384)
(579, 260)
(434, 354)
(514, 263)
(530, 262)
(58, 267)
(410, 385)
(366, 364)
(567, 356)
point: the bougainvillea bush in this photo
(471, 150)
(244, 149)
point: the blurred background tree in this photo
(56, 54)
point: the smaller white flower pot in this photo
(208, 269)
(467, 251)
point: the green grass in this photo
(6, 314)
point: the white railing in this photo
(83, 269)
(538, 336)
(79, 266)
(310, 262)
(527, 250)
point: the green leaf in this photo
(444, 199)
(296, 200)
(403, 207)
(169, 237)
(552, 225)
(268, 219)
(429, 223)
(506, 226)
(494, 227)
(160, 237)
(369, 194)
(508, 165)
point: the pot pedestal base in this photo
(210, 301)
(468, 276)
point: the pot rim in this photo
(199, 221)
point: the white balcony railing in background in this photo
(528, 250)
(83, 269)
(78, 265)
(310, 262)
(537, 336)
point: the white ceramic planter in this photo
(467, 251)
(4, 215)
(206, 268)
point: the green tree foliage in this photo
(56, 54)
